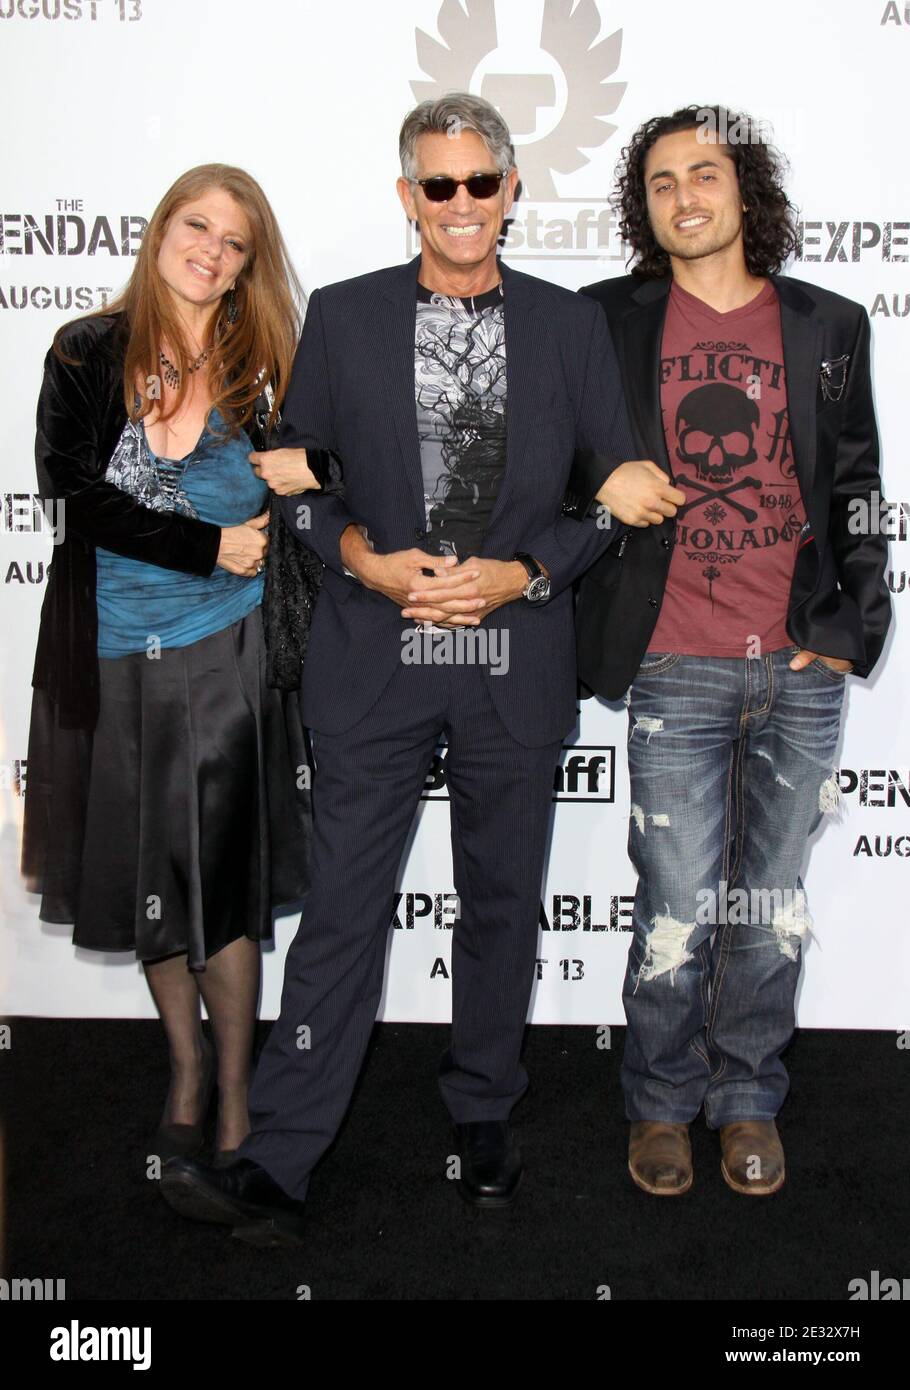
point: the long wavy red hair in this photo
(258, 347)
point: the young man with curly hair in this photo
(731, 625)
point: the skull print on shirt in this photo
(724, 407)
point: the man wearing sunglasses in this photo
(456, 391)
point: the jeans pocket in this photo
(653, 662)
(829, 671)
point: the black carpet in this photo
(82, 1098)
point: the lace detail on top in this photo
(155, 482)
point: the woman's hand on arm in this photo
(243, 548)
(285, 471)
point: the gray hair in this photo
(450, 115)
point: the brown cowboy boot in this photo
(752, 1157)
(660, 1157)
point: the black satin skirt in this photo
(184, 818)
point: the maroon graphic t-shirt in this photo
(723, 399)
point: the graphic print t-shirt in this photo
(460, 390)
(723, 399)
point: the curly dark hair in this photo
(769, 225)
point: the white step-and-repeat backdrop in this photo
(106, 101)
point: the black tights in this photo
(229, 987)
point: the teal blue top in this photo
(142, 605)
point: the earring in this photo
(231, 312)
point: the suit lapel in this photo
(395, 331)
(642, 331)
(523, 368)
(800, 332)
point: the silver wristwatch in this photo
(537, 589)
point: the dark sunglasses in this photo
(441, 187)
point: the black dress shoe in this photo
(491, 1166)
(240, 1195)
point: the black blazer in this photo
(839, 602)
(81, 415)
(352, 391)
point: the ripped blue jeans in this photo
(731, 765)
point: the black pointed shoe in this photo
(185, 1141)
(240, 1195)
(491, 1167)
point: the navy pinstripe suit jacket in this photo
(352, 391)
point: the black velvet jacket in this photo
(839, 602)
(81, 416)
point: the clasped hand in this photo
(638, 493)
(243, 548)
(285, 471)
(454, 595)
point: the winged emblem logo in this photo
(555, 114)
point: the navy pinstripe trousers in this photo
(366, 789)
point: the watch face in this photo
(538, 589)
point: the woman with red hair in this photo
(167, 808)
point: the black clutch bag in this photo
(293, 572)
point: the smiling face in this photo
(694, 203)
(458, 238)
(204, 248)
